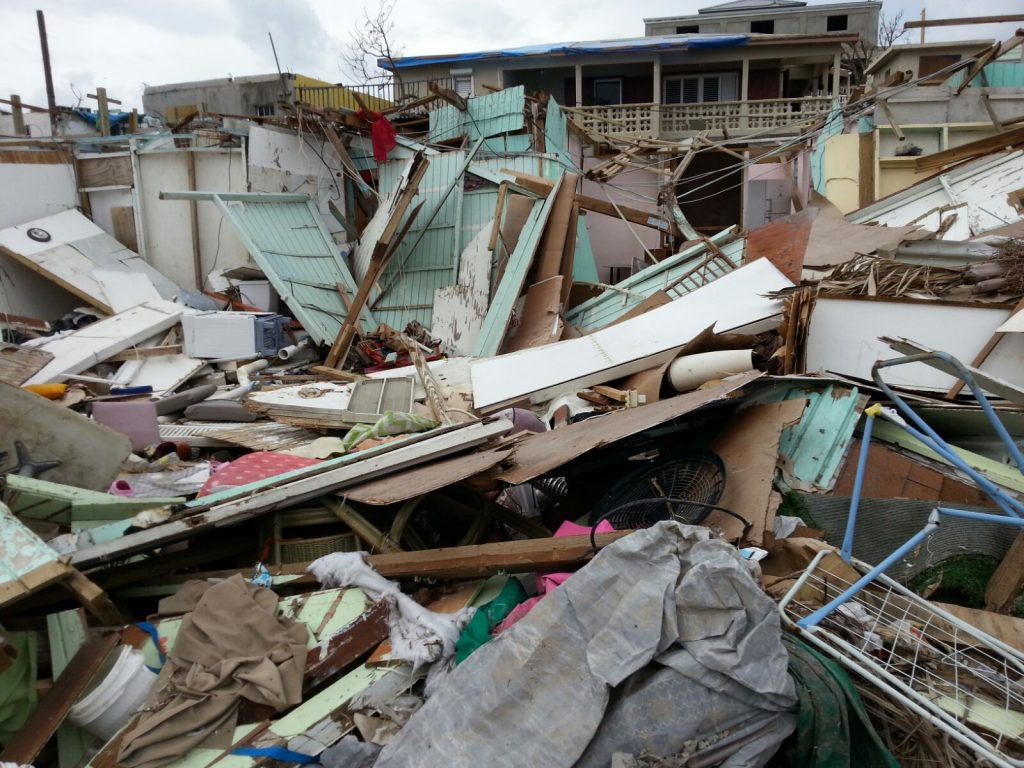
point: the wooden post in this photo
(922, 23)
(19, 118)
(193, 218)
(51, 99)
(133, 122)
(104, 111)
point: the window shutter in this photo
(691, 90)
(672, 91)
(464, 86)
(711, 89)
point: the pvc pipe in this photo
(245, 384)
(287, 353)
(690, 371)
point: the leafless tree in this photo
(857, 56)
(372, 40)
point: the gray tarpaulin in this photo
(668, 614)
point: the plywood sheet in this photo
(90, 454)
(18, 364)
(124, 290)
(67, 249)
(783, 242)
(459, 310)
(749, 448)
(539, 453)
(94, 343)
(541, 321)
(733, 301)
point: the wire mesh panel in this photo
(959, 678)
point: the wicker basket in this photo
(304, 550)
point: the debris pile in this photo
(409, 485)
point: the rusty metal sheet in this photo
(542, 452)
(783, 242)
(430, 477)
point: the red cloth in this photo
(253, 467)
(382, 133)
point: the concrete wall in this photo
(842, 171)
(937, 105)
(232, 97)
(812, 20)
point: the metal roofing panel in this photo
(289, 242)
(688, 270)
(489, 115)
(556, 135)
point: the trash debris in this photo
(456, 425)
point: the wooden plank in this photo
(25, 746)
(542, 186)
(920, 24)
(985, 146)
(866, 169)
(992, 54)
(29, 157)
(92, 598)
(983, 354)
(1008, 580)
(123, 217)
(1006, 628)
(105, 171)
(18, 364)
(459, 310)
(346, 647)
(144, 353)
(541, 321)
(550, 251)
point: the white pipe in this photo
(245, 384)
(287, 353)
(690, 371)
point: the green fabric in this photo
(833, 729)
(18, 684)
(390, 423)
(487, 617)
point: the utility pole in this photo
(51, 99)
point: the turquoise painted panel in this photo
(584, 268)
(489, 115)
(556, 136)
(999, 74)
(814, 449)
(833, 126)
(301, 260)
(503, 145)
(601, 310)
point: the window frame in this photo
(602, 81)
(846, 22)
(733, 77)
(464, 75)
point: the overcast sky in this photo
(125, 44)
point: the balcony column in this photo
(579, 85)
(836, 69)
(744, 92)
(656, 97)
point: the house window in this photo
(764, 27)
(608, 90)
(929, 65)
(692, 29)
(462, 82)
(263, 110)
(836, 24)
(696, 89)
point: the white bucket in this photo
(124, 684)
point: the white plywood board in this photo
(166, 373)
(67, 249)
(53, 189)
(844, 337)
(460, 309)
(94, 343)
(123, 290)
(643, 342)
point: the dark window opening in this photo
(766, 27)
(263, 110)
(930, 64)
(692, 29)
(836, 24)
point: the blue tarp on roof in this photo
(625, 45)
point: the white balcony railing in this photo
(672, 120)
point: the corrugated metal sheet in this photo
(814, 449)
(601, 310)
(976, 192)
(556, 134)
(998, 74)
(426, 259)
(477, 209)
(490, 115)
(289, 242)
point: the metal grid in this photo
(957, 677)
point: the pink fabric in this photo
(549, 581)
(252, 467)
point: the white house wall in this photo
(167, 231)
